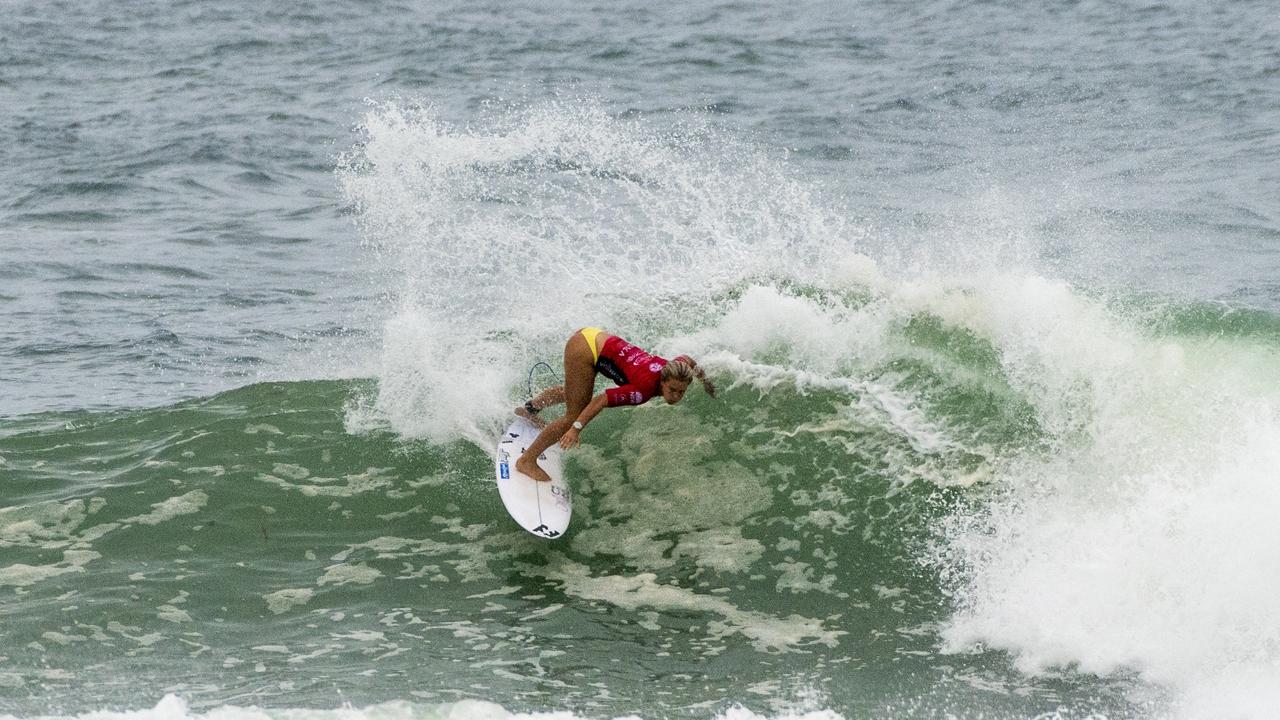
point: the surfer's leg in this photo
(579, 381)
(544, 399)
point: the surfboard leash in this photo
(529, 385)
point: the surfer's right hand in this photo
(570, 439)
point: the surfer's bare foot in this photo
(537, 421)
(530, 468)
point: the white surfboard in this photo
(542, 508)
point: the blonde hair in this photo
(677, 370)
(685, 368)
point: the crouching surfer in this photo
(639, 375)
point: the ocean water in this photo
(989, 289)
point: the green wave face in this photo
(765, 547)
(897, 505)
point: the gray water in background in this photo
(171, 224)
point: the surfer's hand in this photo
(570, 439)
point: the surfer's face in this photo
(673, 390)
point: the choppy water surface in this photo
(989, 288)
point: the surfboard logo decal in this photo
(562, 497)
(505, 470)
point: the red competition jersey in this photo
(636, 372)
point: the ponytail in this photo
(686, 368)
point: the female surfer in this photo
(639, 375)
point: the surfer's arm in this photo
(570, 438)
